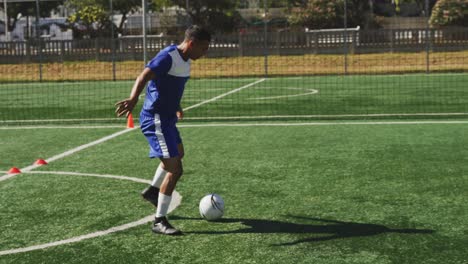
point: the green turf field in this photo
(328, 193)
(361, 95)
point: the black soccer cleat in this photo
(151, 194)
(162, 226)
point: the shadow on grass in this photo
(332, 229)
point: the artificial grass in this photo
(299, 194)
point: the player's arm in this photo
(180, 113)
(126, 106)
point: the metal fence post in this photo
(265, 37)
(392, 40)
(428, 39)
(345, 37)
(112, 40)
(241, 52)
(38, 36)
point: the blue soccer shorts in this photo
(162, 135)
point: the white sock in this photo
(163, 205)
(159, 176)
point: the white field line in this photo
(372, 75)
(232, 117)
(323, 116)
(72, 151)
(70, 83)
(324, 124)
(79, 238)
(107, 119)
(223, 95)
(117, 177)
(56, 127)
(175, 202)
(60, 120)
(245, 117)
(69, 152)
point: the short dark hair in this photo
(195, 32)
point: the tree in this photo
(215, 15)
(450, 13)
(124, 7)
(329, 14)
(29, 9)
(92, 17)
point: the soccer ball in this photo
(211, 207)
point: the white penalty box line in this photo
(85, 146)
(96, 142)
(224, 94)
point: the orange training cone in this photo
(40, 162)
(14, 170)
(130, 121)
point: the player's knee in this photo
(180, 172)
(177, 172)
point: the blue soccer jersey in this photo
(164, 93)
(158, 117)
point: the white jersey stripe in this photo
(160, 136)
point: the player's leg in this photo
(164, 140)
(173, 166)
(151, 193)
(174, 170)
(180, 148)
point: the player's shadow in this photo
(331, 229)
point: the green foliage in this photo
(89, 15)
(215, 15)
(95, 15)
(328, 14)
(450, 13)
(29, 9)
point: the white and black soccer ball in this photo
(211, 207)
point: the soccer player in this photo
(167, 74)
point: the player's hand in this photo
(125, 107)
(180, 114)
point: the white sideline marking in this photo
(323, 124)
(59, 120)
(243, 117)
(106, 82)
(223, 95)
(337, 123)
(56, 127)
(69, 152)
(176, 200)
(324, 116)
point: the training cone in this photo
(14, 170)
(130, 121)
(40, 162)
